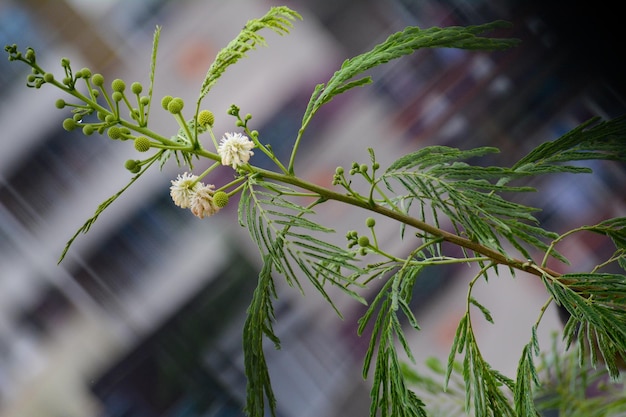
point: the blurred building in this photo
(144, 316)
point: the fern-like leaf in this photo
(397, 45)
(257, 326)
(277, 19)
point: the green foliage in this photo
(277, 19)
(424, 192)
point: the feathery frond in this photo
(277, 19)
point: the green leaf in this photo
(277, 19)
(257, 326)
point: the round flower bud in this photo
(117, 96)
(220, 199)
(145, 100)
(67, 80)
(31, 78)
(364, 241)
(79, 74)
(339, 170)
(132, 165)
(48, 77)
(114, 132)
(136, 88)
(98, 80)
(175, 105)
(363, 168)
(206, 118)
(78, 117)
(86, 72)
(59, 104)
(109, 118)
(69, 124)
(118, 85)
(30, 54)
(142, 143)
(370, 222)
(165, 101)
(88, 130)
(65, 62)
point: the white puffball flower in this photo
(235, 149)
(202, 201)
(183, 189)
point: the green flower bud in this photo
(77, 117)
(175, 105)
(67, 80)
(118, 85)
(69, 124)
(165, 101)
(144, 100)
(136, 88)
(109, 118)
(220, 199)
(65, 62)
(48, 77)
(375, 165)
(114, 132)
(339, 170)
(79, 74)
(86, 73)
(31, 78)
(142, 144)
(30, 54)
(206, 118)
(117, 96)
(363, 168)
(132, 165)
(88, 130)
(364, 241)
(370, 222)
(59, 104)
(98, 80)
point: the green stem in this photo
(476, 247)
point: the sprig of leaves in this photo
(395, 46)
(438, 181)
(277, 19)
(390, 394)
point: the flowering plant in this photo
(420, 191)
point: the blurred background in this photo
(144, 316)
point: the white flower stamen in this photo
(202, 201)
(183, 188)
(235, 149)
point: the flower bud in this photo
(175, 105)
(85, 72)
(136, 88)
(65, 62)
(69, 124)
(117, 96)
(114, 132)
(370, 222)
(98, 80)
(132, 165)
(220, 199)
(118, 85)
(364, 241)
(88, 130)
(48, 77)
(142, 143)
(59, 104)
(165, 101)
(206, 118)
(144, 100)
